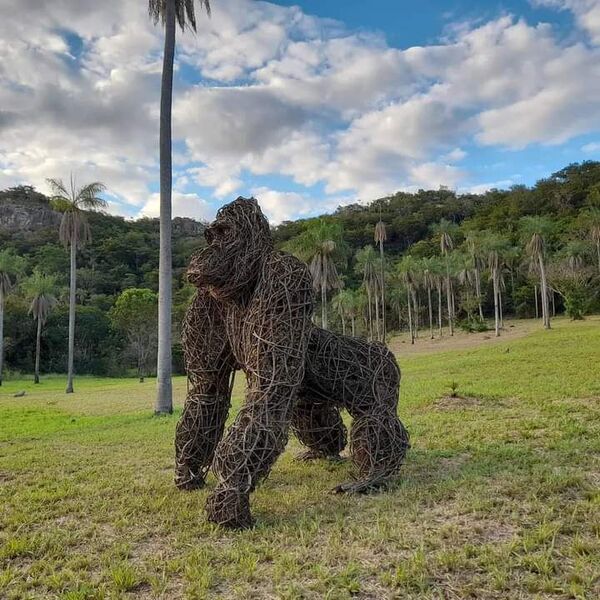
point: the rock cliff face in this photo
(16, 217)
(23, 209)
(186, 227)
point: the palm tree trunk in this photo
(377, 329)
(323, 305)
(383, 326)
(598, 252)
(38, 344)
(410, 320)
(164, 399)
(440, 324)
(545, 304)
(353, 327)
(496, 307)
(478, 291)
(500, 307)
(449, 298)
(553, 303)
(535, 295)
(343, 325)
(1, 333)
(430, 311)
(370, 315)
(415, 313)
(72, 291)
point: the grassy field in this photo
(499, 497)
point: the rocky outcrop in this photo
(23, 209)
(16, 217)
(184, 226)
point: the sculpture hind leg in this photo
(209, 366)
(319, 426)
(378, 444)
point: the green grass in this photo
(498, 498)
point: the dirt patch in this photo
(513, 330)
(453, 524)
(456, 402)
(6, 477)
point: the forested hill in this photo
(124, 253)
(409, 217)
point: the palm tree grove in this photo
(299, 300)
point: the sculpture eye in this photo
(216, 232)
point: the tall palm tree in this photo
(536, 231)
(41, 290)
(407, 269)
(437, 271)
(342, 304)
(380, 237)
(170, 13)
(446, 230)
(11, 266)
(591, 220)
(366, 264)
(575, 252)
(353, 309)
(496, 247)
(428, 278)
(397, 302)
(475, 244)
(75, 233)
(321, 246)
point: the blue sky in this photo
(306, 105)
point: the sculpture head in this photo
(238, 240)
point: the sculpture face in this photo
(238, 239)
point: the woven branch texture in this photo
(252, 312)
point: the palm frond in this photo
(185, 14)
(88, 196)
(58, 189)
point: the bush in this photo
(473, 324)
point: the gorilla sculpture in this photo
(252, 311)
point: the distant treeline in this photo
(124, 254)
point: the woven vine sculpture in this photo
(252, 312)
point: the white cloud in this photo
(591, 148)
(587, 14)
(184, 205)
(481, 188)
(288, 94)
(283, 206)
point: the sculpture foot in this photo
(187, 481)
(229, 509)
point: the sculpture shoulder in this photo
(281, 269)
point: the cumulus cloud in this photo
(283, 206)
(591, 148)
(265, 90)
(184, 205)
(587, 14)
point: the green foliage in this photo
(473, 324)
(134, 313)
(135, 309)
(564, 208)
